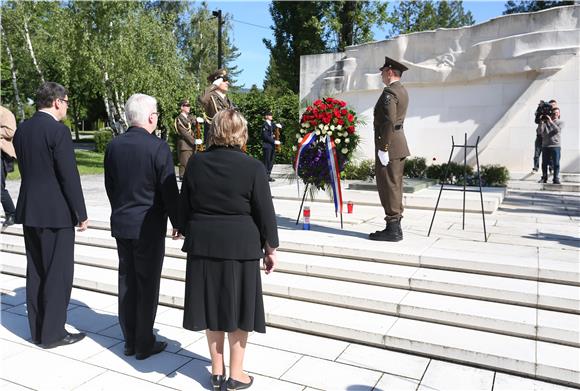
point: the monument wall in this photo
(484, 80)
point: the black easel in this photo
(464, 190)
(302, 204)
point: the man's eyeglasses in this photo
(64, 100)
(155, 112)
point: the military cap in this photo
(390, 63)
(267, 112)
(217, 74)
(184, 102)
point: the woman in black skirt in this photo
(229, 224)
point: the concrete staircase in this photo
(516, 313)
(529, 181)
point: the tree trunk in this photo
(31, 50)
(108, 105)
(13, 71)
(121, 112)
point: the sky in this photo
(252, 22)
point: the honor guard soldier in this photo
(214, 98)
(185, 139)
(391, 149)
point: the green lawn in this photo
(88, 163)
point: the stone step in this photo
(403, 297)
(545, 360)
(529, 263)
(533, 185)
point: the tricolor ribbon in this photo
(306, 141)
(334, 174)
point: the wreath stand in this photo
(302, 204)
(464, 190)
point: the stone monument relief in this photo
(484, 80)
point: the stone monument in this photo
(485, 80)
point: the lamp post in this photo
(218, 15)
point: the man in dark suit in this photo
(49, 205)
(391, 149)
(268, 144)
(142, 189)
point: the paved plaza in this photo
(444, 312)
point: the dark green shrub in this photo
(451, 173)
(363, 170)
(102, 138)
(494, 175)
(415, 167)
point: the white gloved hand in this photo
(198, 141)
(276, 142)
(383, 157)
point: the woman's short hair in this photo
(229, 127)
(47, 93)
(138, 109)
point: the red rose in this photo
(350, 118)
(317, 102)
(313, 123)
(329, 100)
(341, 121)
(344, 112)
(342, 103)
(337, 113)
(326, 120)
(350, 129)
(315, 112)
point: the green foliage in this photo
(412, 16)
(88, 163)
(363, 170)
(451, 173)
(494, 175)
(491, 175)
(298, 30)
(415, 167)
(513, 7)
(102, 138)
(285, 111)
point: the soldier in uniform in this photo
(185, 139)
(391, 149)
(214, 98)
(268, 144)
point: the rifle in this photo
(277, 143)
(199, 147)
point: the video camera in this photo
(544, 110)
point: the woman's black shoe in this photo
(233, 385)
(217, 381)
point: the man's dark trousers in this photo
(49, 277)
(7, 203)
(140, 264)
(269, 156)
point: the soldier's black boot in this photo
(392, 233)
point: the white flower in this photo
(302, 130)
(300, 139)
(345, 134)
(323, 130)
(338, 127)
(325, 127)
(347, 140)
(344, 151)
(329, 133)
(337, 141)
(321, 126)
(306, 124)
(298, 135)
(318, 132)
(294, 148)
(332, 127)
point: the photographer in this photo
(542, 109)
(550, 129)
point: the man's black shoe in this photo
(557, 181)
(9, 220)
(69, 339)
(158, 347)
(271, 179)
(129, 349)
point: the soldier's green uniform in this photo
(213, 100)
(185, 140)
(389, 116)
